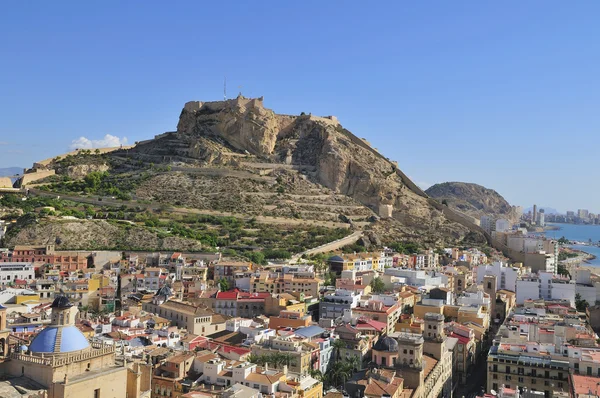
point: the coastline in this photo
(552, 228)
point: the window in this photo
(520, 380)
(97, 393)
(533, 381)
(404, 351)
(411, 351)
(494, 376)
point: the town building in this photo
(13, 271)
(197, 320)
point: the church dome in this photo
(164, 291)
(61, 302)
(386, 344)
(59, 339)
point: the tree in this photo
(445, 202)
(562, 270)
(337, 348)
(580, 304)
(377, 285)
(330, 278)
(223, 284)
(563, 241)
(317, 374)
(256, 257)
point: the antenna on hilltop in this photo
(225, 88)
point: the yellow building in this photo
(420, 309)
(103, 281)
(306, 387)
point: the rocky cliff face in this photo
(472, 199)
(335, 157)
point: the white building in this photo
(11, 271)
(506, 277)
(547, 286)
(541, 222)
(473, 299)
(333, 305)
(503, 225)
(419, 278)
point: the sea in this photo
(580, 233)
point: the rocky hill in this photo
(238, 158)
(472, 199)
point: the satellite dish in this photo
(493, 392)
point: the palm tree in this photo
(339, 374)
(286, 359)
(257, 359)
(337, 347)
(317, 374)
(353, 362)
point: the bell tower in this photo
(434, 335)
(489, 287)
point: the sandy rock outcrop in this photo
(341, 161)
(81, 170)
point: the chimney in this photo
(212, 387)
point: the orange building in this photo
(289, 319)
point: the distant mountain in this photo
(472, 199)
(547, 210)
(10, 171)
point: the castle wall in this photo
(35, 176)
(44, 163)
(5, 182)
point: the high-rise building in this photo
(488, 224)
(570, 214)
(541, 218)
(518, 211)
(583, 214)
(534, 217)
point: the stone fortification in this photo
(5, 182)
(341, 161)
(33, 176)
(44, 164)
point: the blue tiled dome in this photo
(71, 339)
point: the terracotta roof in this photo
(180, 358)
(186, 308)
(380, 387)
(369, 323)
(264, 378)
(585, 384)
(429, 363)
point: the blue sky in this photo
(502, 94)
